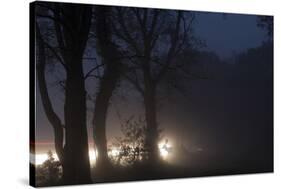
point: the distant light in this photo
(41, 158)
(163, 152)
(93, 154)
(115, 152)
(164, 149)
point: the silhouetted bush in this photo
(130, 148)
(48, 173)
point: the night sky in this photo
(206, 119)
(228, 33)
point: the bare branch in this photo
(186, 30)
(136, 83)
(172, 49)
(142, 21)
(55, 53)
(95, 76)
(154, 22)
(91, 70)
(50, 113)
(126, 32)
(59, 35)
(55, 19)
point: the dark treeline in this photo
(234, 105)
(100, 49)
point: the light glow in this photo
(163, 152)
(164, 149)
(41, 158)
(115, 152)
(93, 154)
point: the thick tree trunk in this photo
(151, 139)
(74, 155)
(107, 86)
(76, 151)
(71, 24)
(72, 36)
(112, 72)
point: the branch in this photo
(91, 70)
(172, 50)
(59, 35)
(135, 83)
(47, 105)
(142, 21)
(92, 35)
(95, 76)
(186, 30)
(154, 22)
(55, 53)
(55, 19)
(128, 38)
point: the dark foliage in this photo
(49, 173)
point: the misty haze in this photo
(125, 94)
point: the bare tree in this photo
(71, 24)
(152, 38)
(112, 67)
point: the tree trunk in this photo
(76, 151)
(74, 155)
(112, 72)
(151, 139)
(71, 25)
(72, 31)
(107, 87)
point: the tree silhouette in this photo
(112, 67)
(151, 38)
(71, 36)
